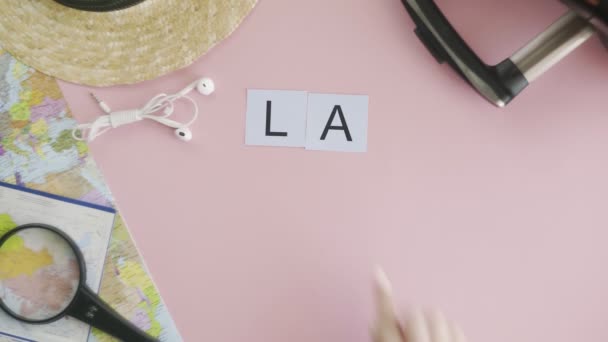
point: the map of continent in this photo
(39, 275)
(37, 151)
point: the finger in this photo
(457, 333)
(385, 309)
(387, 328)
(439, 328)
(416, 328)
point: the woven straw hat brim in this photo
(132, 45)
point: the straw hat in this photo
(107, 42)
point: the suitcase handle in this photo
(500, 83)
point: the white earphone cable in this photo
(90, 131)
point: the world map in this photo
(37, 151)
(39, 274)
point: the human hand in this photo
(418, 327)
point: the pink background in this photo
(496, 216)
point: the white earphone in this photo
(90, 131)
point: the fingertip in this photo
(386, 327)
(382, 281)
(384, 298)
(416, 327)
(439, 328)
(457, 333)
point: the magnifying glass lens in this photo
(39, 274)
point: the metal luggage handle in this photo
(499, 83)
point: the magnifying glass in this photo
(58, 288)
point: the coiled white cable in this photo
(164, 102)
(90, 131)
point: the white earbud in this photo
(205, 86)
(163, 102)
(183, 134)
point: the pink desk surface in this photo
(497, 216)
